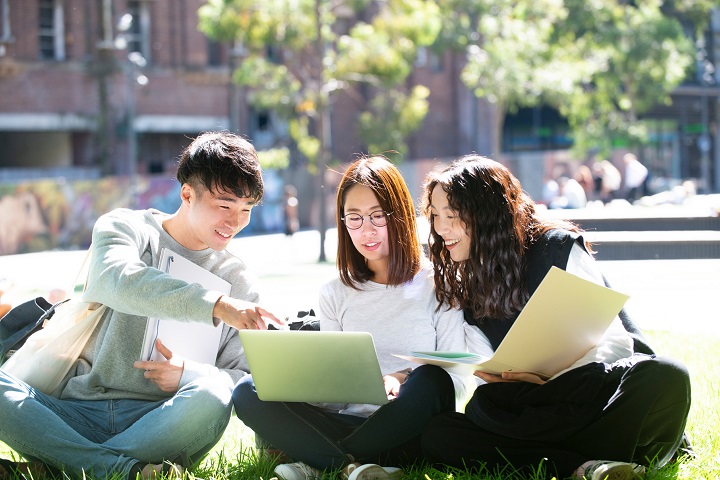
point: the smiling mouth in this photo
(450, 243)
(224, 235)
(370, 245)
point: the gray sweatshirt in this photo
(401, 319)
(126, 246)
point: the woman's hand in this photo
(393, 381)
(510, 377)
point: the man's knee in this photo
(212, 394)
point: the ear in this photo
(186, 193)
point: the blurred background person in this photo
(607, 180)
(636, 176)
(292, 222)
(570, 194)
(585, 178)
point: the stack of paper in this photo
(191, 340)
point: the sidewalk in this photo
(665, 294)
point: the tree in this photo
(645, 55)
(323, 47)
(601, 64)
(514, 57)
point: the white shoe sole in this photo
(370, 471)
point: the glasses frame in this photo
(369, 216)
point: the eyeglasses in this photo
(353, 221)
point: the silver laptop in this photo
(312, 366)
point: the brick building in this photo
(74, 102)
(67, 89)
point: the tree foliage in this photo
(645, 55)
(300, 53)
(601, 63)
(393, 108)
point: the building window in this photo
(274, 54)
(214, 53)
(138, 34)
(51, 30)
(429, 59)
(662, 153)
(5, 36)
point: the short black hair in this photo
(222, 161)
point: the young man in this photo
(115, 414)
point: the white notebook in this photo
(191, 340)
(565, 318)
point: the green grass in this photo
(235, 456)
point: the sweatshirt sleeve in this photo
(122, 275)
(119, 277)
(327, 310)
(478, 344)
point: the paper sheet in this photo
(565, 318)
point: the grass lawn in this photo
(235, 458)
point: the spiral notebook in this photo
(193, 341)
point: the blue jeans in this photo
(326, 440)
(106, 437)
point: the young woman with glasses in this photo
(385, 287)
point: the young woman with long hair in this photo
(608, 415)
(385, 287)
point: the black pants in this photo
(325, 440)
(640, 419)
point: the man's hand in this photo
(166, 375)
(510, 377)
(242, 315)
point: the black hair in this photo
(222, 161)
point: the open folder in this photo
(191, 340)
(564, 318)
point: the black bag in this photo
(21, 322)
(302, 323)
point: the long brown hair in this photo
(502, 223)
(386, 182)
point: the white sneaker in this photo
(166, 469)
(297, 471)
(370, 471)
(607, 470)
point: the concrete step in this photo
(649, 224)
(655, 244)
(624, 232)
(641, 219)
